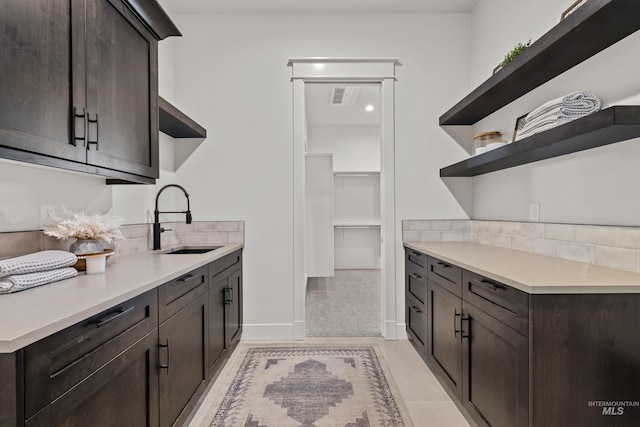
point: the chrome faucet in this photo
(157, 230)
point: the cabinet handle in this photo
(114, 316)
(228, 295)
(455, 327)
(89, 121)
(444, 264)
(168, 355)
(418, 254)
(185, 278)
(415, 276)
(466, 319)
(84, 127)
(415, 310)
(493, 285)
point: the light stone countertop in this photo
(33, 314)
(532, 273)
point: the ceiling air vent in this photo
(343, 95)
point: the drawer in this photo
(503, 302)
(417, 259)
(416, 284)
(416, 319)
(447, 275)
(228, 261)
(55, 364)
(173, 296)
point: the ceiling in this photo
(320, 111)
(311, 6)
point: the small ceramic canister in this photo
(96, 263)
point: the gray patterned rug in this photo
(310, 386)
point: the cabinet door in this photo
(495, 371)
(42, 77)
(234, 308)
(217, 323)
(183, 361)
(122, 90)
(124, 392)
(444, 346)
(416, 320)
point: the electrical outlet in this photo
(534, 212)
(47, 213)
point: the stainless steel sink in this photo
(190, 250)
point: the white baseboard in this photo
(390, 332)
(299, 330)
(401, 331)
(268, 332)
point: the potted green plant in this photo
(512, 54)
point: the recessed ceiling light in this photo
(369, 108)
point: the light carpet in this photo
(309, 386)
(346, 305)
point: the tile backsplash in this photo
(137, 237)
(608, 246)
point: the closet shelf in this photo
(593, 27)
(611, 125)
(356, 173)
(175, 123)
(357, 224)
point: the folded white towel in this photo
(20, 282)
(573, 104)
(39, 261)
(558, 112)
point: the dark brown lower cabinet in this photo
(121, 393)
(513, 359)
(217, 324)
(183, 360)
(495, 370)
(444, 342)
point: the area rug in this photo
(310, 386)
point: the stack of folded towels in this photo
(559, 111)
(40, 268)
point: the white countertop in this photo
(33, 314)
(532, 273)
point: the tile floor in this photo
(425, 399)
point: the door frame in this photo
(346, 70)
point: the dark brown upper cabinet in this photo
(79, 87)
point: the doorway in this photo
(379, 73)
(342, 210)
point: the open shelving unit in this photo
(605, 127)
(175, 123)
(593, 27)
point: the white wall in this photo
(231, 69)
(593, 187)
(355, 148)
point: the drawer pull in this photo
(415, 310)
(455, 327)
(167, 347)
(186, 278)
(414, 253)
(493, 285)
(415, 276)
(444, 264)
(114, 316)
